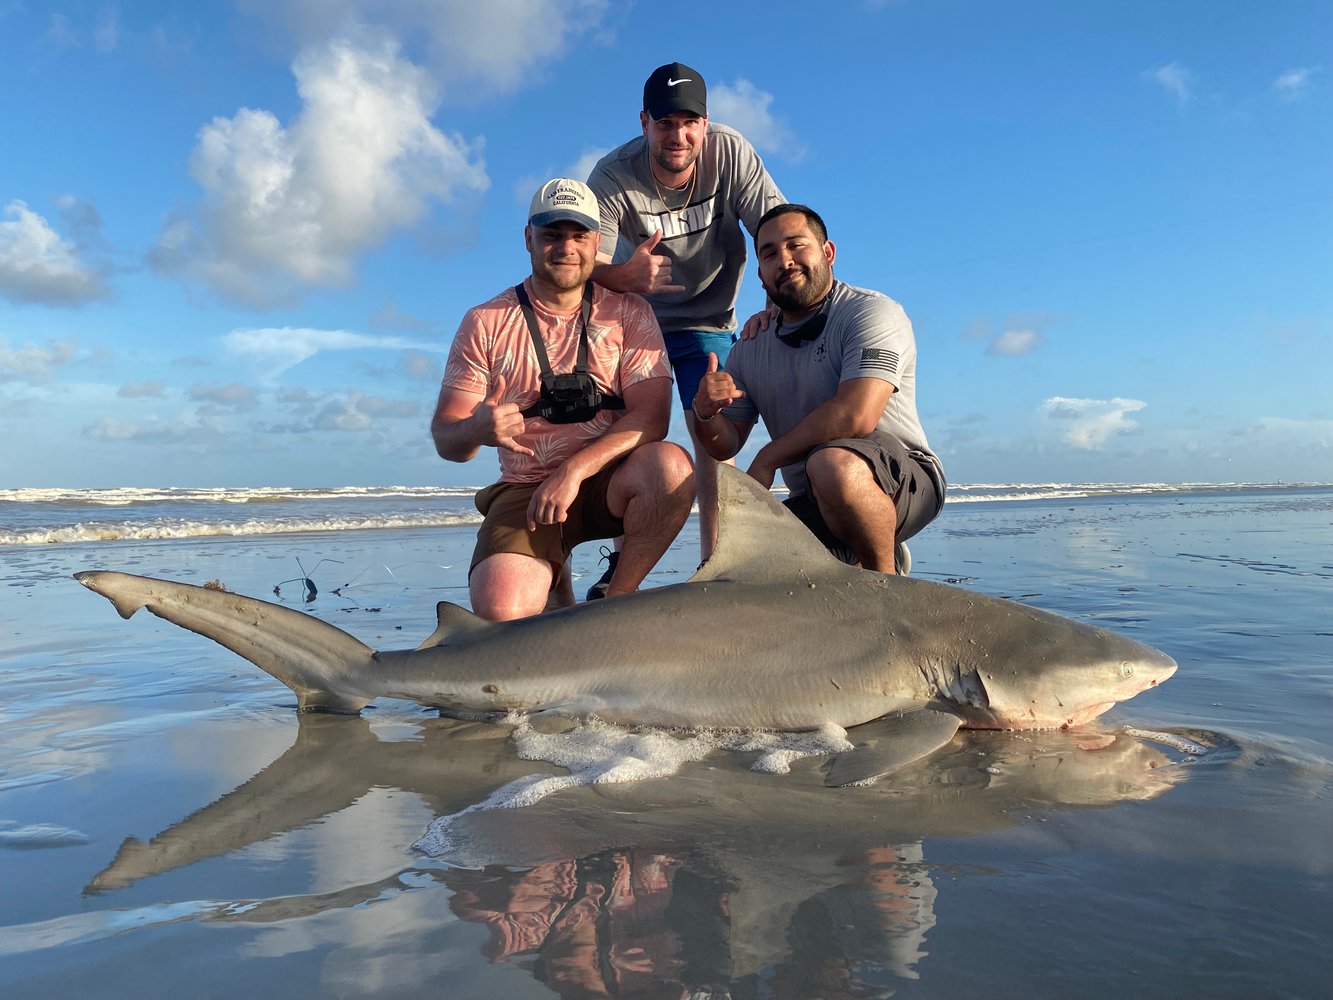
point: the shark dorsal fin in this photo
(451, 621)
(760, 539)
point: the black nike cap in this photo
(675, 87)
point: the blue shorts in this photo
(688, 351)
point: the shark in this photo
(770, 633)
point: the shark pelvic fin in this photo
(760, 539)
(451, 621)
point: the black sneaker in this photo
(598, 590)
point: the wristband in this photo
(702, 420)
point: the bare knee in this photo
(836, 469)
(659, 468)
(508, 585)
(672, 462)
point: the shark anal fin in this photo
(885, 745)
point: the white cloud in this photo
(359, 413)
(152, 389)
(106, 35)
(471, 48)
(33, 363)
(526, 185)
(1293, 84)
(390, 317)
(82, 220)
(298, 398)
(746, 108)
(278, 348)
(1092, 422)
(1020, 334)
(1173, 78)
(198, 435)
(420, 365)
(289, 208)
(37, 265)
(354, 412)
(1014, 343)
(1317, 434)
(60, 33)
(582, 167)
(978, 330)
(233, 395)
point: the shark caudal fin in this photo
(325, 666)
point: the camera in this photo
(569, 399)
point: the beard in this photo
(664, 158)
(803, 292)
(563, 278)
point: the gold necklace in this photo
(689, 193)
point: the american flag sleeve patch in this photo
(876, 359)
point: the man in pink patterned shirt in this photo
(580, 439)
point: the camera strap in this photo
(607, 402)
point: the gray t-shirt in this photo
(867, 336)
(703, 238)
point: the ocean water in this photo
(66, 516)
(169, 825)
(56, 517)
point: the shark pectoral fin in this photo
(451, 621)
(889, 743)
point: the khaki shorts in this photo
(505, 528)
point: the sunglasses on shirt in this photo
(807, 331)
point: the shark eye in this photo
(1126, 669)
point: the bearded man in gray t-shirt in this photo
(834, 381)
(673, 204)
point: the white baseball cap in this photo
(565, 199)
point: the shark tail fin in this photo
(325, 666)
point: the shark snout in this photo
(1149, 671)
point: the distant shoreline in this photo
(974, 492)
(90, 517)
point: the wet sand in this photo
(169, 826)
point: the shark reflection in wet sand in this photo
(611, 884)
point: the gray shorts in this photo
(908, 477)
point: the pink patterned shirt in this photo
(624, 347)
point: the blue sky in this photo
(236, 238)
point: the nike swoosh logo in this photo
(684, 79)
